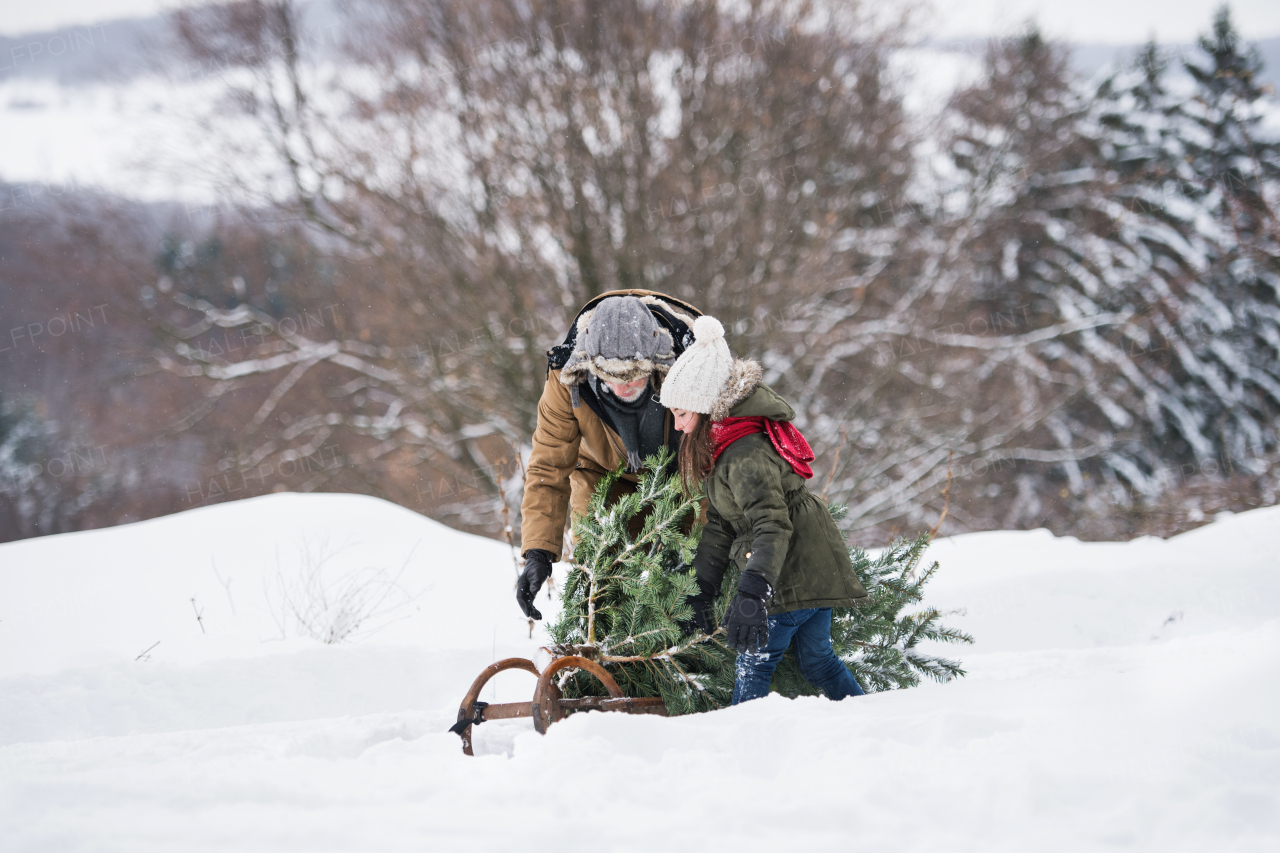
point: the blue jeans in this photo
(811, 630)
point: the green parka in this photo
(761, 516)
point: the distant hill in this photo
(1089, 59)
(116, 50)
(119, 50)
(125, 48)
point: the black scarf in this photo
(639, 423)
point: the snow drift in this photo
(1119, 696)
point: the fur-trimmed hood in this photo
(744, 378)
(672, 318)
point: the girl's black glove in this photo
(747, 622)
(537, 568)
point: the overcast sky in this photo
(1108, 21)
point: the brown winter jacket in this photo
(573, 448)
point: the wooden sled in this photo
(547, 706)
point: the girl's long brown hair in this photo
(696, 457)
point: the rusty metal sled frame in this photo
(547, 706)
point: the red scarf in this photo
(786, 439)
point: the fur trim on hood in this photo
(744, 377)
(580, 364)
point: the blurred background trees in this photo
(1053, 303)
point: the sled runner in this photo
(547, 706)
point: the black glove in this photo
(747, 622)
(702, 616)
(537, 568)
(673, 564)
(701, 605)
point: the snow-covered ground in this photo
(1120, 696)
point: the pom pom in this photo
(707, 329)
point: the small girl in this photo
(740, 445)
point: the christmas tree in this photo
(625, 598)
(624, 605)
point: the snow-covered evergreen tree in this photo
(1048, 241)
(1137, 228)
(1234, 386)
(1199, 181)
(25, 508)
(49, 482)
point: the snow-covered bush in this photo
(332, 603)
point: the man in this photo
(599, 408)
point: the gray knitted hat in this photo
(618, 341)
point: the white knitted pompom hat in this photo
(699, 377)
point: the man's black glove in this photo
(747, 622)
(537, 568)
(673, 564)
(701, 605)
(702, 616)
